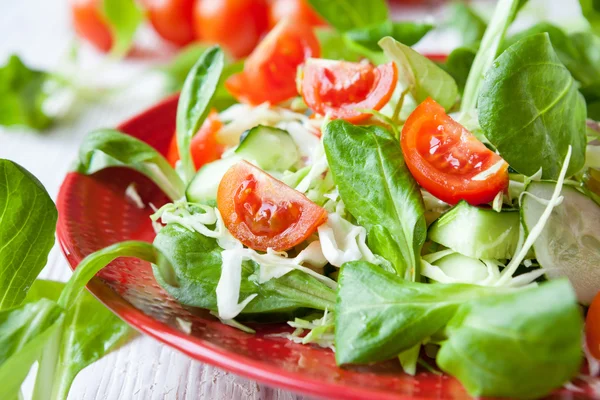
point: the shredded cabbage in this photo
(321, 331)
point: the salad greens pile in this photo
(491, 291)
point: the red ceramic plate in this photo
(94, 213)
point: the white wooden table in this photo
(40, 32)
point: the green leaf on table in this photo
(123, 17)
(469, 25)
(420, 75)
(110, 148)
(522, 344)
(345, 15)
(518, 343)
(27, 223)
(591, 11)
(529, 101)
(189, 269)
(22, 95)
(458, 65)
(378, 190)
(194, 101)
(89, 331)
(406, 32)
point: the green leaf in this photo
(591, 11)
(469, 25)
(24, 332)
(406, 32)
(193, 107)
(88, 332)
(378, 190)
(379, 315)
(345, 15)
(519, 345)
(504, 14)
(27, 223)
(22, 95)
(529, 100)
(110, 148)
(333, 45)
(189, 269)
(458, 65)
(123, 17)
(420, 75)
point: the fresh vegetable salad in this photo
(383, 206)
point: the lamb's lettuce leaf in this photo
(378, 190)
(529, 100)
(405, 32)
(467, 23)
(27, 223)
(345, 15)
(123, 18)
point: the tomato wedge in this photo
(204, 146)
(269, 73)
(262, 212)
(592, 327)
(341, 88)
(448, 160)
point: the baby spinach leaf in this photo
(345, 15)
(378, 315)
(22, 95)
(406, 32)
(591, 11)
(123, 17)
(334, 47)
(420, 75)
(89, 331)
(458, 65)
(378, 190)
(27, 223)
(522, 344)
(189, 269)
(194, 100)
(110, 148)
(467, 23)
(529, 101)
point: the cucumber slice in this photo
(462, 268)
(205, 183)
(271, 148)
(569, 245)
(477, 232)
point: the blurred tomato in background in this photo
(172, 19)
(90, 24)
(296, 10)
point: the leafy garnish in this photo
(546, 113)
(27, 222)
(467, 23)
(123, 17)
(345, 15)
(408, 33)
(591, 11)
(378, 190)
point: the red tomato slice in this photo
(262, 212)
(269, 73)
(341, 88)
(172, 19)
(90, 24)
(448, 160)
(204, 146)
(295, 9)
(592, 327)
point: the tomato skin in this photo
(172, 19)
(592, 327)
(237, 25)
(269, 73)
(90, 24)
(204, 146)
(262, 212)
(444, 157)
(294, 9)
(340, 88)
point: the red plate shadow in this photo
(94, 213)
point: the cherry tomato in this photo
(296, 10)
(341, 88)
(448, 160)
(592, 327)
(204, 146)
(237, 25)
(262, 212)
(90, 24)
(269, 73)
(172, 19)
